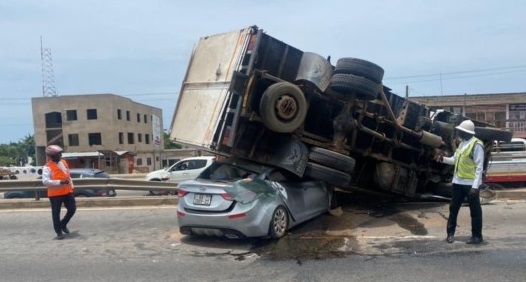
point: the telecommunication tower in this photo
(48, 77)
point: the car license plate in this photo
(202, 199)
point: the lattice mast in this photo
(48, 77)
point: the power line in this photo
(457, 72)
(458, 77)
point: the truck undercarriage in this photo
(338, 123)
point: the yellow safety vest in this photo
(464, 165)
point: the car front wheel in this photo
(279, 223)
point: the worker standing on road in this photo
(469, 162)
(56, 177)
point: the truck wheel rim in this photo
(286, 107)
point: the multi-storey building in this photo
(506, 110)
(103, 131)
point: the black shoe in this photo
(450, 238)
(474, 240)
(59, 237)
(65, 230)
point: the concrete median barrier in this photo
(511, 194)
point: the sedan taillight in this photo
(181, 193)
(227, 197)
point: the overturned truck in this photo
(249, 95)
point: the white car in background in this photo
(185, 169)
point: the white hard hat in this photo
(467, 126)
(53, 150)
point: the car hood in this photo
(158, 172)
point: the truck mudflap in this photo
(316, 70)
(287, 153)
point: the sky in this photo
(140, 49)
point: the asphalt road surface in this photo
(368, 242)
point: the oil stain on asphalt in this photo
(327, 236)
(334, 237)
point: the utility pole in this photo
(441, 90)
(407, 91)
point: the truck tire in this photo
(327, 174)
(487, 133)
(332, 159)
(347, 83)
(283, 107)
(360, 67)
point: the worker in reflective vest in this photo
(469, 162)
(55, 176)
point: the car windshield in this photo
(101, 174)
(247, 190)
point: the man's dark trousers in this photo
(460, 192)
(56, 204)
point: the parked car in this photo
(185, 169)
(237, 199)
(75, 173)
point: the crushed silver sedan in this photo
(237, 199)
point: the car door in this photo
(187, 169)
(291, 194)
(315, 196)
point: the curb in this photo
(93, 202)
(511, 194)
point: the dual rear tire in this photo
(357, 77)
(330, 167)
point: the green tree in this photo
(16, 154)
(168, 144)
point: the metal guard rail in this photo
(91, 183)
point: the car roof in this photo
(199, 158)
(87, 172)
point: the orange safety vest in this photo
(58, 174)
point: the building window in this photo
(119, 114)
(138, 117)
(73, 139)
(148, 161)
(121, 138)
(53, 120)
(139, 138)
(71, 114)
(145, 119)
(139, 161)
(94, 139)
(130, 138)
(147, 138)
(128, 115)
(500, 119)
(92, 114)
